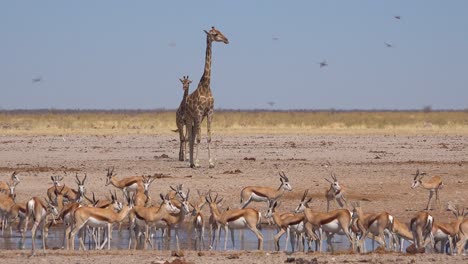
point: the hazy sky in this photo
(131, 54)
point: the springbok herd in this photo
(93, 219)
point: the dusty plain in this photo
(375, 167)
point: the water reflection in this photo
(244, 240)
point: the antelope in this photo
(141, 196)
(399, 233)
(6, 204)
(51, 191)
(434, 184)
(286, 222)
(129, 184)
(375, 224)
(335, 193)
(198, 221)
(5, 186)
(421, 227)
(174, 220)
(263, 194)
(99, 217)
(448, 231)
(462, 235)
(41, 214)
(235, 219)
(177, 192)
(333, 222)
(76, 195)
(150, 216)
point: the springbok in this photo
(174, 221)
(444, 232)
(127, 185)
(98, 217)
(333, 222)
(399, 234)
(198, 221)
(335, 193)
(421, 227)
(433, 185)
(462, 235)
(263, 194)
(5, 186)
(287, 223)
(56, 180)
(235, 219)
(375, 224)
(147, 217)
(41, 213)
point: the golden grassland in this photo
(56, 122)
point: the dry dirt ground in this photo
(376, 169)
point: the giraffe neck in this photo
(186, 93)
(206, 78)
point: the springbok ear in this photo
(220, 200)
(206, 32)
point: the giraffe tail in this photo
(175, 130)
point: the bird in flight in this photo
(37, 79)
(389, 45)
(271, 103)
(397, 17)
(322, 64)
(275, 38)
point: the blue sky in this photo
(131, 54)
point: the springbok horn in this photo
(305, 195)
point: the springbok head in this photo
(147, 180)
(272, 205)
(166, 202)
(179, 192)
(81, 187)
(110, 175)
(417, 179)
(12, 186)
(304, 203)
(14, 177)
(334, 184)
(285, 182)
(56, 180)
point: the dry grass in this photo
(236, 122)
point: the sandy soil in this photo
(376, 169)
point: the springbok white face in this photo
(272, 205)
(14, 177)
(147, 180)
(12, 187)
(110, 175)
(56, 180)
(417, 179)
(185, 204)
(168, 204)
(81, 187)
(179, 192)
(285, 182)
(334, 184)
(304, 203)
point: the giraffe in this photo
(200, 103)
(180, 119)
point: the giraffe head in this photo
(185, 82)
(216, 35)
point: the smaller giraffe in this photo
(180, 119)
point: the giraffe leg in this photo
(180, 128)
(191, 135)
(185, 143)
(197, 139)
(208, 124)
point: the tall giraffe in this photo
(200, 103)
(180, 119)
